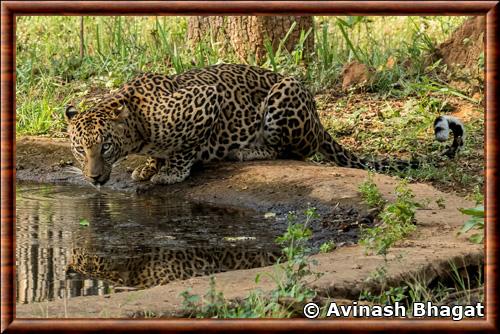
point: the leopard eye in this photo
(105, 147)
(80, 149)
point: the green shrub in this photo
(476, 222)
(397, 222)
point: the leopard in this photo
(156, 266)
(232, 112)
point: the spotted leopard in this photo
(158, 266)
(225, 111)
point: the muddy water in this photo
(57, 223)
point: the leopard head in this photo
(97, 138)
(93, 265)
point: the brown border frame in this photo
(10, 9)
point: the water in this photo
(56, 222)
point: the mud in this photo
(270, 186)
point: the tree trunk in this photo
(247, 35)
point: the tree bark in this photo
(247, 35)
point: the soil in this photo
(266, 186)
(463, 55)
(471, 36)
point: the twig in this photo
(82, 41)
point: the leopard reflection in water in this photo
(58, 227)
(158, 266)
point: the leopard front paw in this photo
(165, 178)
(235, 155)
(169, 176)
(144, 173)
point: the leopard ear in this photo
(70, 113)
(121, 113)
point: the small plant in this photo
(370, 193)
(84, 222)
(476, 221)
(379, 274)
(397, 222)
(441, 203)
(214, 301)
(189, 301)
(327, 247)
(296, 252)
(390, 296)
(342, 24)
(458, 286)
(480, 61)
(477, 195)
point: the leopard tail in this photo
(334, 152)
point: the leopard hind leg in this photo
(290, 122)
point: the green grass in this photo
(327, 247)
(456, 286)
(51, 73)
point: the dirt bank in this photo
(265, 186)
(261, 185)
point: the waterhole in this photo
(77, 241)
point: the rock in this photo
(356, 75)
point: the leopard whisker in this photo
(73, 170)
(74, 173)
(96, 186)
(117, 162)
